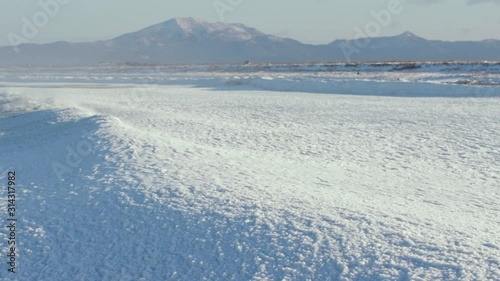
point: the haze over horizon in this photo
(320, 22)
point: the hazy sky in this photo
(310, 21)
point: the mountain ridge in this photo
(192, 41)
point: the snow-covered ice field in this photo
(237, 176)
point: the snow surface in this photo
(222, 176)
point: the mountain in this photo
(189, 40)
(410, 47)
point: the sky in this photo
(309, 21)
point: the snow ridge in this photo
(227, 182)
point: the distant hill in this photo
(410, 47)
(194, 41)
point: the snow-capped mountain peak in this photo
(193, 28)
(190, 24)
(178, 27)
